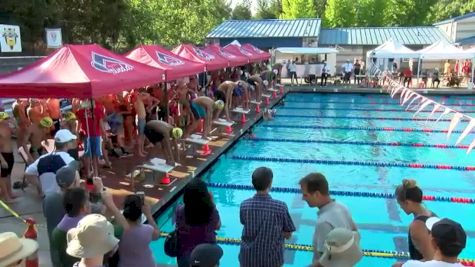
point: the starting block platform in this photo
(197, 140)
(156, 165)
(255, 102)
(223, 123)
(266, 95)
(272, 90)
(241, 110)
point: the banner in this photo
(10, 39)
(54, 39)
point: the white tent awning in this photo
(442, 49)
(306, 50)
(392, 49)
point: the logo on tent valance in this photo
(202, 54)
(245, 52)
(226, 54)
(169, 60)
(108, 64)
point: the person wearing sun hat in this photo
(90, 240)
(14, 249)
(162, 132)
(448, 239)
(342, 249)
(35, 135)
(7, 159)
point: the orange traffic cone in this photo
(166, 179)
(243, 118)
(206, 150)
(258, 108)
(30, 233)
(229, 130)
(267, 101)
(274, 94)
(281, 90)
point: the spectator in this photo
(293, 73)
(357, 71)
(14, 250)
(325, 74)
(206, 255)
(134, 244)
(448, 238)
(196, 220)
(341, 248)
(331, 214)
(435, 78)
(76, 205)
(409, 198)
(266, 223)
(46, 166)
(90, 240)
(407, 74)
(347, 69)
(67, 177)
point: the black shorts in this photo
(5, 172)
(220, 95)
(153, 136)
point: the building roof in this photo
(378, 35)
(267, 28)
(467, 41)
(466, 16)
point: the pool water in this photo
(382, 224)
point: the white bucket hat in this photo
(13, 248)
(93, 236)
(342, 249)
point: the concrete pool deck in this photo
(29, 204)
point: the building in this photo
(269, 33)
(459, 29)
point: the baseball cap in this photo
(449, 235)
(64, 136)
(93, 236)
(341, 248)
(66, 175)
(206, 255)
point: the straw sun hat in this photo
(13, 248)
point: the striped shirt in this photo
(262, 242)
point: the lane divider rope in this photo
(289, 140)
(309, 248)
(361, 118)
(379, 129)
(413, 165)
(365, 109)
(344, 193)
(391, 103)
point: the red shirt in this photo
(94, 126)
(407, 72)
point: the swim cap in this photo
(266, 82)
(46, 122)
(4, 116)
(69, 116)
(218, 104)
(177, 133)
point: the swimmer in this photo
(6, 157)
(35, 135)
(256, 85)
(203, 107)
(36, 111)
(269, 114)
(139, 107)
(54, 112)
(241, 94)
(19, 108)
(225, 93)
(164, 133)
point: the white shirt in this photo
(347, 67)
(432, 263)
(292, 67)
(46, 171)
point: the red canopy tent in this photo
(234, 59)
(175, 67)
(212, 62)
(81, 71)
(236, 49)
(262, 54)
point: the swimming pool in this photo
(362, 144)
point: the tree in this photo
(320, 6)
(241, 12)
(268, 9)
(365, 10)
(340, 13)
(445, 9)
(292, 9)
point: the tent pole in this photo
(418, 70)
(473, 61)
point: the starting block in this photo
(224, 124)
(258, 105)
(274, 92)
(160, 166)
(255, 102)
(196, 140)
(243, 113)
(267, 99)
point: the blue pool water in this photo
(383, 225)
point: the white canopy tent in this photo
(442, 49)
(389, 49)
(306, 69)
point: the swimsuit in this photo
(197, 110)
(238, 91)
(141, 125)
(8, 156)
(152, 135)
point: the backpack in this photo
(171, 244)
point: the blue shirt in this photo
(262, 242)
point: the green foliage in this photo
(340, 13)
(268, 9)
(365, 11)
(445, 9)
(292, 9)
(241, 12)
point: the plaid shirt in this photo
(265, 220)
